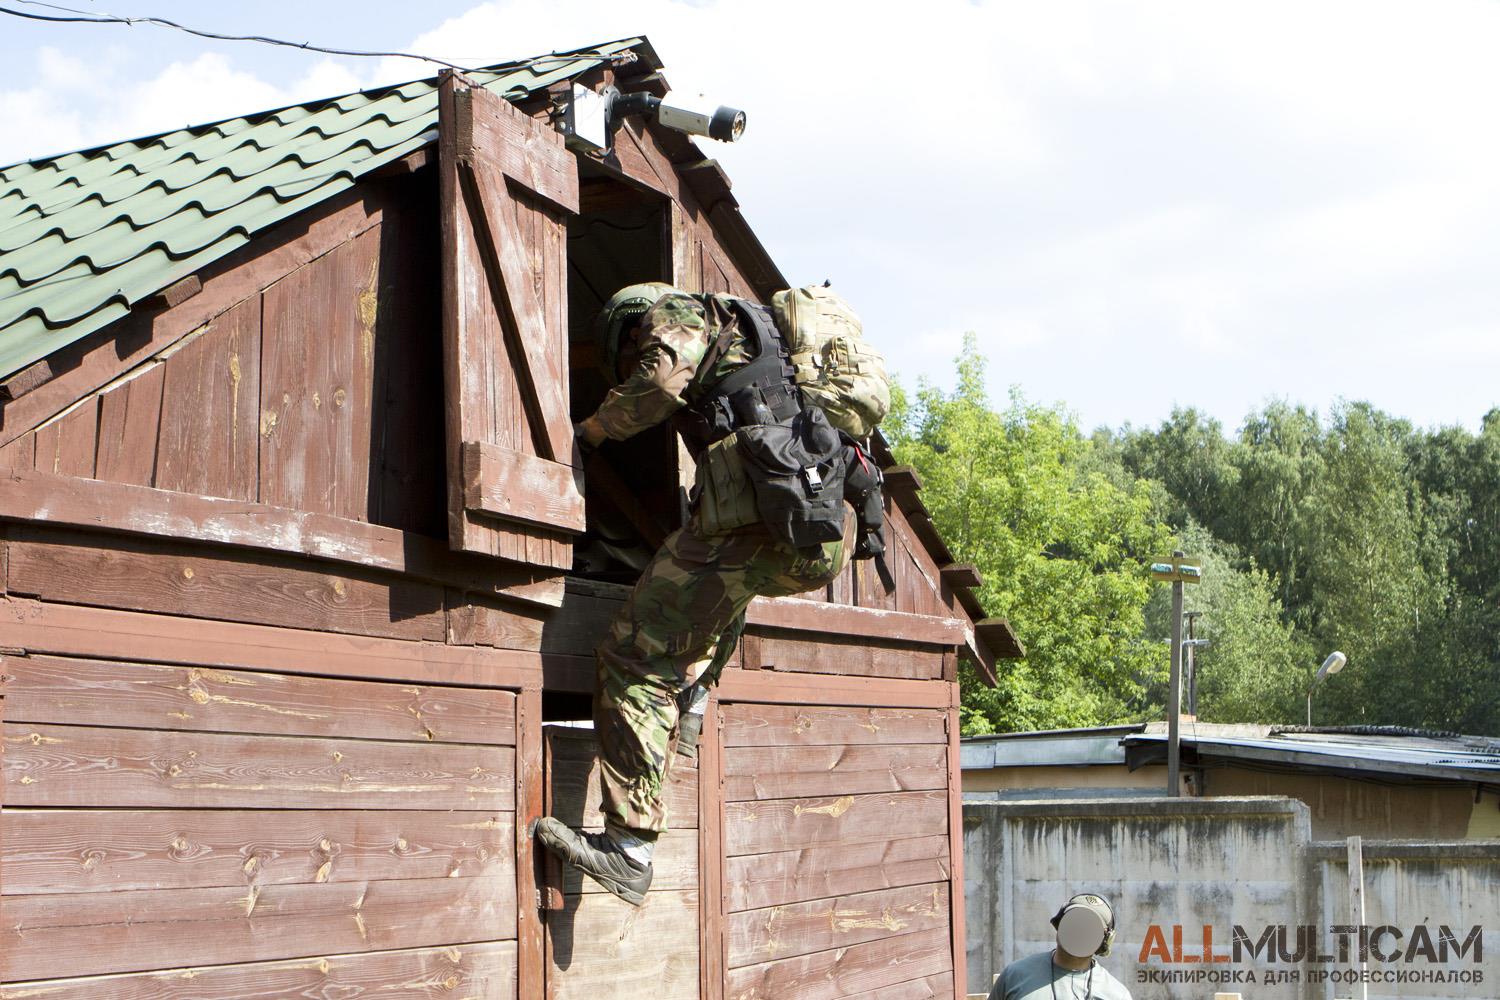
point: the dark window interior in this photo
(618, 238)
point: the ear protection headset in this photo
(1097, 904)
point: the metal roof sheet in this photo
(84, 235)
(1389, 756)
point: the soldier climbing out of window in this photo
(775, 405)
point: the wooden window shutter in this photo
(508, 185)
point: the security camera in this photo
(588, 119)
(724, 124)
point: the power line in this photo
(83, 17)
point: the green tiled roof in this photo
(85, 235)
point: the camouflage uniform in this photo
(683, 620)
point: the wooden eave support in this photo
(409, 164)
(964, 575)
(997, 634)
(31, 377)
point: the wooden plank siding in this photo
(204, 582)
(305, 381)
(838, 849)
(173, 815)
(598, 945)
(479, 970)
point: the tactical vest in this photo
(763, 391)
(753, 437)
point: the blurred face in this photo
(629, 353)
(1080, 932)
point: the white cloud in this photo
(1189, 192)
(76, 103)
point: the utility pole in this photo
(1190, 665)
(1177, 572)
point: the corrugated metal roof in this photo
(84, 235)
(1449, 760)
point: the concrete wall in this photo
(1338, 807)
(1216, 863)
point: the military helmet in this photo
(621, 311)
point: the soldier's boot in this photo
(598, 856)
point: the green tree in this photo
(1256, 666)
(1365, 565)
(1062, 550)
(1280, 460)
(1189, 455)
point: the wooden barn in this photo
(300, 578)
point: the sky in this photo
(1133, 206)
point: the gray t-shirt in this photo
(1035, 976)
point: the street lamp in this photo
(1332, 665)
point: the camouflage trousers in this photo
(679, 627)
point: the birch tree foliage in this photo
(1062, 549)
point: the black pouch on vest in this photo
(863, 488)
(797, 471)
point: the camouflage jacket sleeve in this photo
(678, 334)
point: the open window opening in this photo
(633, 491)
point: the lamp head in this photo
(1333, 664)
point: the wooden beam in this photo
(796, 726)
(70, 630)
(800, 874)
(205, 582)
(503, 482)
(594, 603)
(836, 922)
(859, 970)
(409, 164)
(488, 128)
(712, 942)
(956, 845)
(140, 510)
(531, 935)
(25, 380)
(768, 827)
(803, 615)
(978, 654)
(174, 294)
(996, 633)
(903, 481)
(772, 687)
(4, 680)
(964, 575)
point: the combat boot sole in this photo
(597, 856)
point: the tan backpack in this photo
(838, 370)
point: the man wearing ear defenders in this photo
(1085, 929)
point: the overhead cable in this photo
(85, 17)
